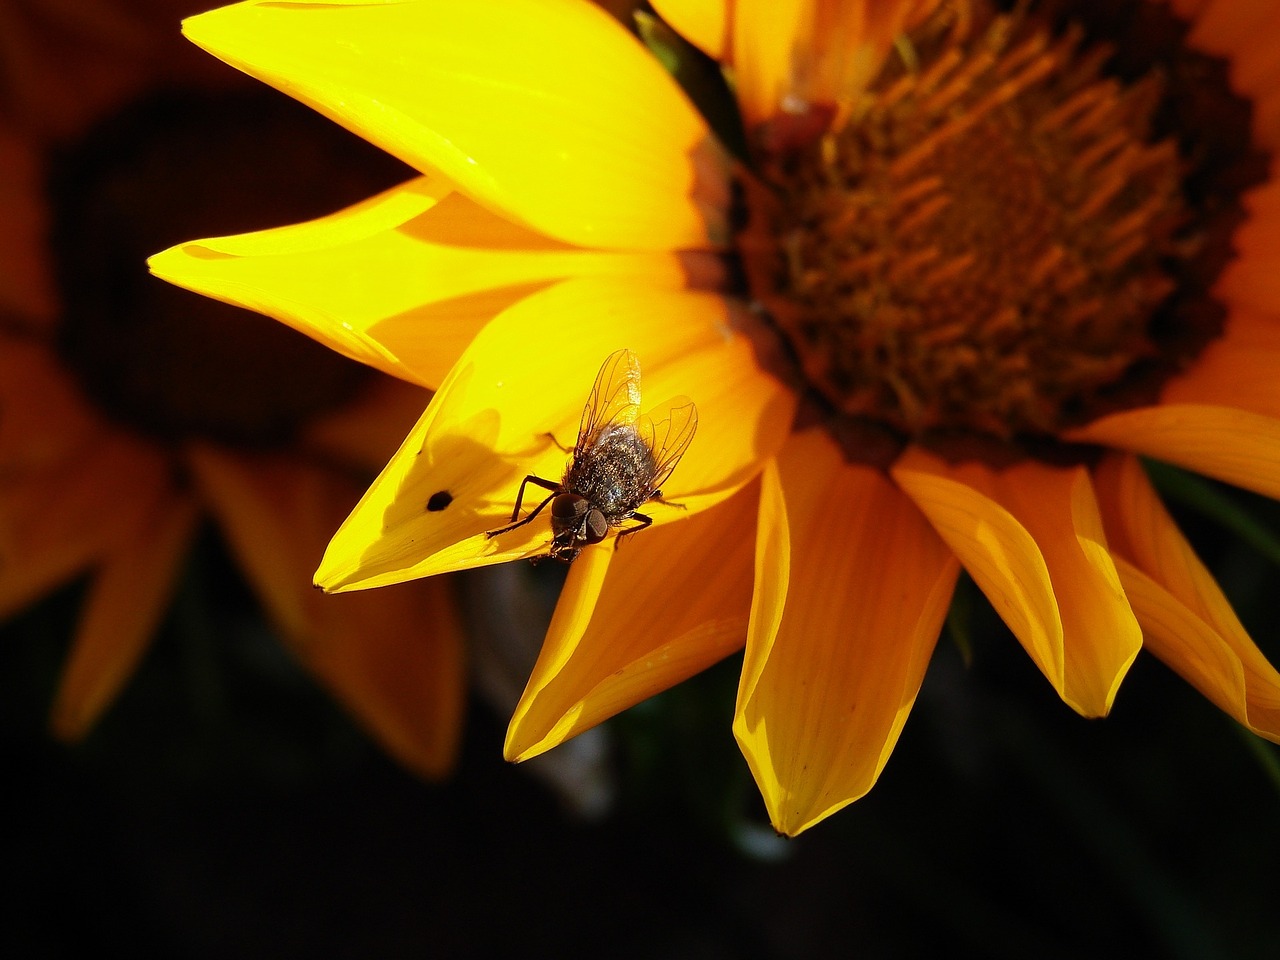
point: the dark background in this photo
(225, 807)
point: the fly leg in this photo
(643, 522)
(657, 495)
(552, 437)
(531, 478)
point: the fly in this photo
(619, 463)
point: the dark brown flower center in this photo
(172, 364)
(1003, 238)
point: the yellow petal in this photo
(1189, 623)
(1101, 636)
(529, 373)
(129, 594)
(393, 658)
(1237, 446)
(764, 47)
(827, 688)
(635, 621)
(997, 551)
(704, 23)
(549, 113)
(402, 281)
(1031, 537)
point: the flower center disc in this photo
(168, 363)
(989, 240)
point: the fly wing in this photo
(614, 400)
(668, 430)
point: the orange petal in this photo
(635, 621)
(1237, 446)
(402, 281)
(1032, 539)
(550, 114)
(827, 688)
(130, 593)
(393, 658)
(529, 373)
(704, 23)
(1249, 280)
(1188, 622)
(1235, 370)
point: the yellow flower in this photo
(130, 411)
(982, 275)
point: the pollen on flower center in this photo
(988, 242)
(168, 363)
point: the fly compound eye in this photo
(568, 509)
(596, 527)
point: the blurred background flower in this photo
(133, 413)
(1005, 827)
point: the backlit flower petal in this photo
(58, 521)
(1082, 635)
(547, 112)
(1232, 445)
(455, 266)
(393, 658)
(45, 418)
(673, 601)
(1188, 622)
(129, 594)
(529, 373)
(827, 688)
(26, 288)
(367, 431)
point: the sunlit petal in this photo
(704, 23)
(549, 113)
(826, 690)
(402, 281)
(674, 600)
(1237, 446)
(529, 373)
(392, 657)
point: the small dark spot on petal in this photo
(439, 500)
